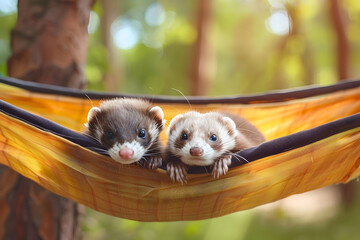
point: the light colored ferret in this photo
(129, 129)
(208, 139)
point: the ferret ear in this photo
(173, 122)
(93, 111)
(157, 114)
(230, 125)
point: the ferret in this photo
(129, 129)
(207, 139)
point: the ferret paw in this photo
(153, 162)
(177, 172)
(220, 166)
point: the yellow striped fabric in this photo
(136, 193)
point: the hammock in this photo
(313, 140)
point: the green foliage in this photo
(158, 67)
(7, 22)
(342, 226)
(100, 226)
(245, 57)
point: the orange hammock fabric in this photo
(128, 191)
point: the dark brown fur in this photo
(125, 118)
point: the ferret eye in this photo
(142, 133)
(213, 138)
(184, 136)
(109, 135)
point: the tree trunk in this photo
(342, 48)
(28, 211)
(49, 42)
(200, 68)
(113, 75)
(349, 190)
(49, 45)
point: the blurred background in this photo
(215, 48)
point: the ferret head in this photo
(127, 128)
(198, 139)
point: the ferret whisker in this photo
(237, 157)
(225, 143)
(99, 150)
(89, 136)
(187, 100)
(159, 127)
(151, 154)
(103, 153)
(140, 163)
(98, 122)
(77, 138)
(92, 105)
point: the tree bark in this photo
(200, 68)
(49, 42)
(113, 75)
(342, 47)
(28, 211)
(348, 190)
(49, 45)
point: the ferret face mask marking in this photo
(208, 139)
(126, 130)
(198, 139)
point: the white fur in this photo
(173, 121)
(139, 151)
(204, 160)
(230, 122)
(92, 113)
(195, 122)
(153, 132)
(158, 110)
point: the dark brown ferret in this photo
(129, 129)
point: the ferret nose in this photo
(196, 151)
(126, 153)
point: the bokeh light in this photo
(126, 32)
(279, 23)
(94, 22)
(8, 7)
(155, 14)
